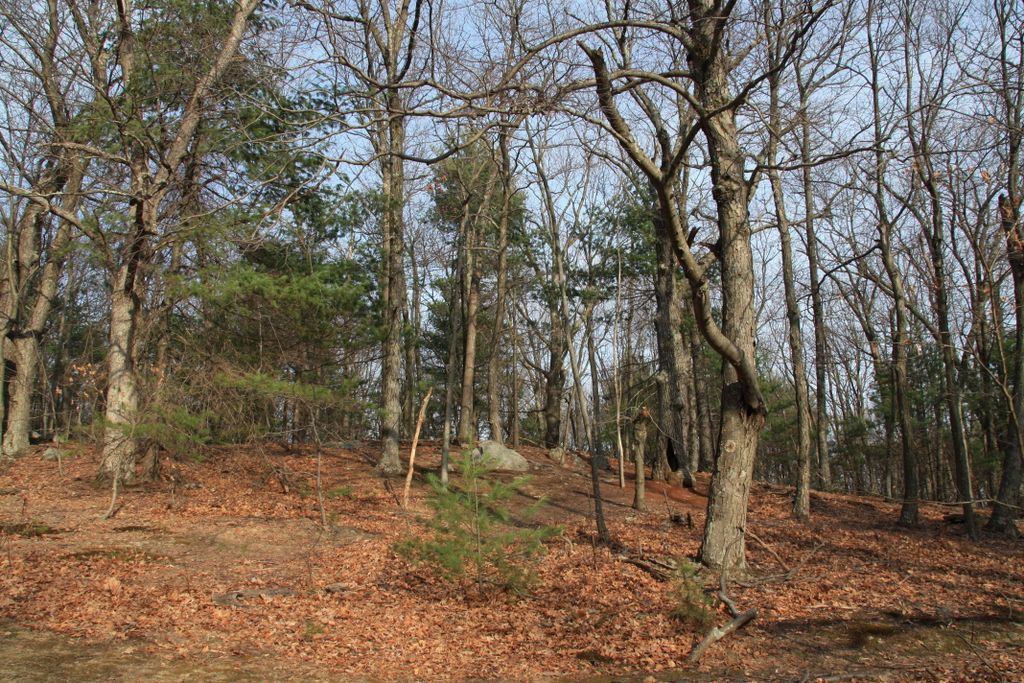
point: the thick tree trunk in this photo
(24, 350)
(743, 406)
(743, 409)
(554, 385)
(120, 446)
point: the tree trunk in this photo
(554, 384)
(802, 499)
(901, 339)
(671, 353)
(471, 306)
(1006, 510)
(449, 386)
(392, 289)
(702, 405)
(743, 409)
(24, 350)
(494, 363)
(817, 313)
(640, 423)
(120, 447)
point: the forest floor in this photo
(224, 572)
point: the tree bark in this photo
(640, 424)
(494, 363)
(671, 353)
(391, 145)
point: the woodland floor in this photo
(220, 574)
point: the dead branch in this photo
(771, 550)
(659, 569)
(739, 620)
(412, 450)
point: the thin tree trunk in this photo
(802, 499)
(901, 339)
(668, 329)
(640, 424)
(494, 363)
(617, 368)
(703, 406)
(1008, 85)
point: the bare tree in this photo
(703, 34)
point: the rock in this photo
(557, 454)
(496, 456)
(54, 454)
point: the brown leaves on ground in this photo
(218, 561)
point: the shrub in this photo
(471, 532)
(690, 604)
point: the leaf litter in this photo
(220, 562)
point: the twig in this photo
(779, 578)
(974, 650)
(771, 550)
(739, 620)
(412, 450)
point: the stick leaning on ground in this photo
(412, 450)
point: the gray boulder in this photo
(496, 456)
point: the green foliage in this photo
(690, 604)
(175, 429)
(472, 533)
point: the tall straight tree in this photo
(802, 500)
(894, 277)
(374, 45)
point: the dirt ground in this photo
(224, 572)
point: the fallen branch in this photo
(739, 620)
(771, 550)
(412, 450)
(786, 576)
(659, 569)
